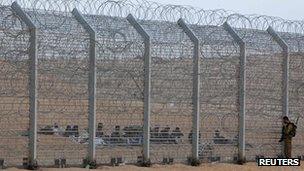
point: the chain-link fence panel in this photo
(120, 74)
(264, 94)
(296, 89)
(219, 94)
(171, 92)
(65, 66)
(14, 101)
(62, 88)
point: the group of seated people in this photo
(70, 130)
(133, 134)
(166, 136)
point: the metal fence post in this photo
(242, 91)
(196, 88)
(147, 85)
(91, 83)
(32, 82)
(277, 38)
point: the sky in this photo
(287, 9)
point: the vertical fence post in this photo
(242, 91)
(147, 85)
(277, 38)
(32, 83)
(91, 84)
(196, 88)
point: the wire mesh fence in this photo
(14, 85)
(137, 116)
(219, 93)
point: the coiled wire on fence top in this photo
(148, 10)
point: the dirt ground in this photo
(181, 167)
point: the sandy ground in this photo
(181, 167)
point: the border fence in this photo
(122, 81)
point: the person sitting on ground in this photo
(155, 134)
(176, 135)
(219, 139)
(99, 132)
(165, 134)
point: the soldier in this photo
(288, 131)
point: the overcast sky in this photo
(288, 9)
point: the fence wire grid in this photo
(63, 83)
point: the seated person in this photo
(75, 131)
(47, 130)
(218, 139)
(165, 134)
(99, 132)
(117, 134)
(155, 134)
(176, 133)
(68, 131)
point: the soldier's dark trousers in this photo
(287, 148)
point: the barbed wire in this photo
(148, 10)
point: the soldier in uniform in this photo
(287, 136)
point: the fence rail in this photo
(163, 83)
